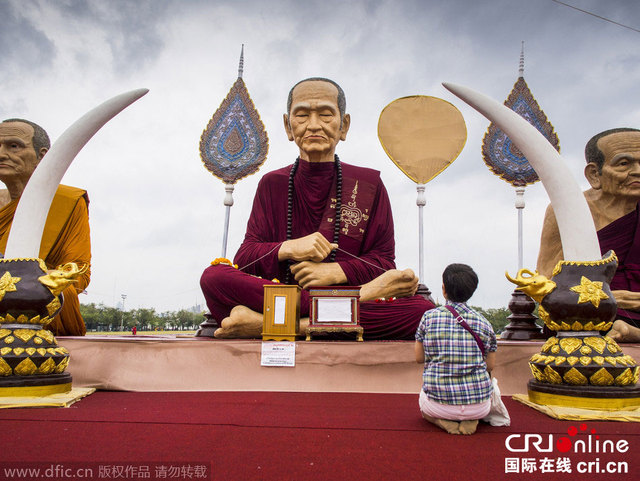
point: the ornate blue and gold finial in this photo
(502, 157)
(234, 144)
(521, 68)
(241, 64)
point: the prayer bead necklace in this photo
(337, 217)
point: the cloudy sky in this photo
(157, 214)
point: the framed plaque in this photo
(281, 313)
(334, 309)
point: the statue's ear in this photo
(346, 123)
(287, 126)
(593, 176)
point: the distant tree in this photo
(100, 317)
(91, 315)
(146, 319)
(112, 317)
(164, 320)
(496, 316)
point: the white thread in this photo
(341, 250)
(361, 259)
(260, 258)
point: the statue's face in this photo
(621, 169)
(314, 120)
(18, 158)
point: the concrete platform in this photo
(166, 363)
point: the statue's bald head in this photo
(40, 138)
(341, 100)
(592, 152)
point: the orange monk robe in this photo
(65, 239)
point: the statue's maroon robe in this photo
(623, 237)
(366, 232)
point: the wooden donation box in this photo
(281, 318)
(334, 309)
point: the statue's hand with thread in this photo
(313, 247)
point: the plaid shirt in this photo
(454, 369)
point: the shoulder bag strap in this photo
(464, 324)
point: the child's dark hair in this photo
(460, 282)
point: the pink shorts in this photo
(454, 412)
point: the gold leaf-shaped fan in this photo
(422, 135)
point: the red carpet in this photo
(281, 436)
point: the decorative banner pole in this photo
(233, 146)
(506, 161)
(235, 143)
(421, 201)
(422, 135)
(520, 207)
(228, 202)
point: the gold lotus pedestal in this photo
(31, 362)
(579, 367)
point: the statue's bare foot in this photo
(242, 323)
(393, 283)
(623, 332)
(468, 427)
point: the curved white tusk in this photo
(31, 213)
(577, 230)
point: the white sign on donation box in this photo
(278, 354)
(334, 309)
(280, 303)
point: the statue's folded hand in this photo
(310, 274)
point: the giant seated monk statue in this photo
(66, 233)
(318, 222)
(613, 171)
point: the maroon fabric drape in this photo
(623, 237)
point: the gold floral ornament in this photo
(590, 291)
(8, 284)
(60, 278)
(224, 261)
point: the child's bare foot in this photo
(468, 427)
(452, 427)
